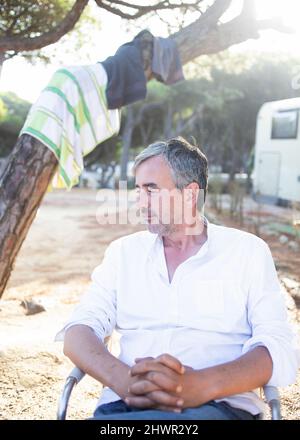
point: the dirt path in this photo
(65, 243)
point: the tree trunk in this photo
(22, 187)
(126, 142)
(168, 121)
(107, 174)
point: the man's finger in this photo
(142, 387)
(150, 365)
(143, 367)
(147, 366)
(143, 402)
(171, 362)
(162, 398)
(140, 402)
(154, 381)
(163, 381)
(158, 398)
(149, 358)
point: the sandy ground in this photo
(63, 246)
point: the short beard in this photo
(161, 229)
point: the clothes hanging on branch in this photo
(71, 118)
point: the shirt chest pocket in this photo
(201, 304)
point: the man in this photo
(198, 306)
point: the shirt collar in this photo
(158, 243)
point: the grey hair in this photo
(187, 162)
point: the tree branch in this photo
(249, 10)
(188, 123)
(191, 39)
(24, 44)
(140, 9)
(206, 36)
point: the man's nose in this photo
(143, 200)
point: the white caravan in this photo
(276, 177)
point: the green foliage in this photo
(29, 18)
(78, 40)
(107, 152)
(157, 91)
(3, 110)
(12, 119)
(228, 128)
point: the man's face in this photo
(160, 202)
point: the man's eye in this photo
(152, 190)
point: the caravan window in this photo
(285, 125)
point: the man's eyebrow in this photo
(146, 185)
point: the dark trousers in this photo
(119, 410)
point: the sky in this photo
(27, 80)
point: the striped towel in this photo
(71, 118)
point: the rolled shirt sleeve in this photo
(97, 308)
(267, 316)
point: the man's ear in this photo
(193, 192)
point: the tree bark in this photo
(107, 173)
(31, 166)
(168, 121)
(132, 121)
(22, 187)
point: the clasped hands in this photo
(161, 383)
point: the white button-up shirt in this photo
(221, 303)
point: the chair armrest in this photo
(273, 399)
(73, 379)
